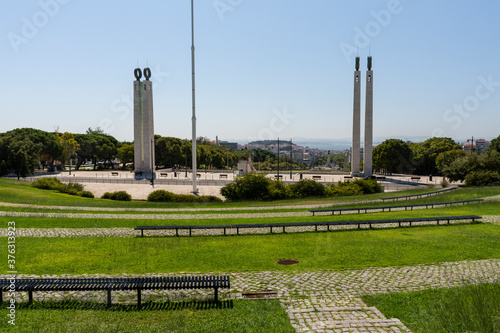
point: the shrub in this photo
(346, 188)
(279, 191)
(368, 186)
(161, 196)
(248, 187)
(482, 178)
(51, 183)
(166, 196)
(71, 188)
(47, 183)
(87, 194)
(444, 183)
(308, 188)
(119, 196)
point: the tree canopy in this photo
(392, 155)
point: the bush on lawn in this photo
(368, 186)
(308, 188)
(483, 178)
(87, 194)
(279, 191)
(51, 183)
(118, 196)
(166, 196)
(251, 186)
(47, 183)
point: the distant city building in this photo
(482, 145)
(232, 145)
(479, 146)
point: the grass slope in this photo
(325, 250)
(70, 316)
(474, 308)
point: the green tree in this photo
(446, 158)
(339, 160)
(473, 164)
(495, 145)
(125, 153)
(392, 155)
(41, 147)
(425, 154)
(95, 146)
(69, 145)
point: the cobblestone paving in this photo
(319, 301)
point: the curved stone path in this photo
(317, 301)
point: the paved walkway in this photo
(324, 300)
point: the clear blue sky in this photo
(265, 68)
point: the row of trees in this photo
(24, 149)
(432, 156)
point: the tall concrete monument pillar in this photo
(356, 135)
(144, 154)
(368, 145)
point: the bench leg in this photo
(142, 232)
(138, 299)
(30, 296)
(109, 297)
(216, 294)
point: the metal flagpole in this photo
(193, 119)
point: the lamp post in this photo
(193, 119)
(278, 159)
(291, 158)
(152, 162)
(471, 144)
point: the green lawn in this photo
(14, 191)
(354, 249)
(323, 250)
(474, 308)
(484, 208)
(70, 316)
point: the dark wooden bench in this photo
(390, 208)
(163, 174)
(283, 226)
(347, 177)
(114, 284)
(421, 195)
(278, 177)
(114, 173)
(415, 178)
(316, 177)
(222, 176)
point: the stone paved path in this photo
(325, 300)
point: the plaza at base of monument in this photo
(144, 152)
